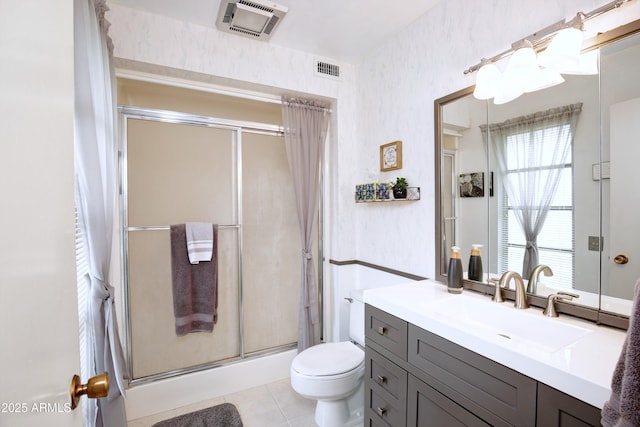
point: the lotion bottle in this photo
(475, 263)
(454, 275)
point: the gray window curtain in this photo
(305, 131)
(528, 171)
(95, 164)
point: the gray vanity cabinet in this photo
(416, 378)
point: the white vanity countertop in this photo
(582, 369)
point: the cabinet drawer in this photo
(383, 412)
(385, 376)
(386, 330)
(370, 422)
(425, 406)
(495, 393)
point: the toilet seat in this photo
(328, 359)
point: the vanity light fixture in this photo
(560, 46)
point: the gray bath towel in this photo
(195, 286)
(623, 407)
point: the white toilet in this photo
(332, 374)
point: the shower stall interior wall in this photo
(189, 156)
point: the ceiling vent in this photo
(256, 19)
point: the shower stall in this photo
(183, 161)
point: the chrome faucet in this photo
(521, 295)
(550, 310)
(532, 287)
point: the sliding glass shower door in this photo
(181, 168)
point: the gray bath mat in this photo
(223, 415)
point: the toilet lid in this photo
(328, 359)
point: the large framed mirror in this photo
(588, 129)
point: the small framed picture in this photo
(391, 156)
(472, 184)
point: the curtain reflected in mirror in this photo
(533, 158)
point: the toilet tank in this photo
(356, 316)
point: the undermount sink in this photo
(526, 327)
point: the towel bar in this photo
(166, 227)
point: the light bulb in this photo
(563, 53)
(522, 67)
(487, 82)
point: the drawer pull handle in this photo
(382, 330)
(381, 411)
(381, 379)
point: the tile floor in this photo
(271, 405)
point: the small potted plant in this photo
(400, 188)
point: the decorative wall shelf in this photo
(381, 192)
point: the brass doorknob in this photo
(621, 259)
(97, 386)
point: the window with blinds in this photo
(555, 242)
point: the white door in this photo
(38, 301)
(624, 203)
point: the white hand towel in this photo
(199, 241)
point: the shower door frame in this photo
(238, 127)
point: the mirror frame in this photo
(588, 313)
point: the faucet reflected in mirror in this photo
(532, 286)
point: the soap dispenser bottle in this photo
(475, 263)
(454, 275)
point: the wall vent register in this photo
(327, 69)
